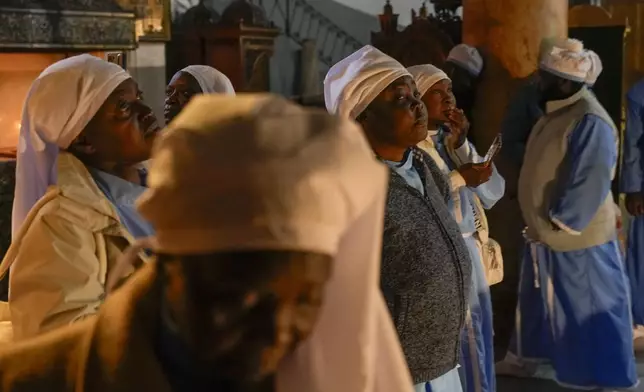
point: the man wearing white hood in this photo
(426, 269)
(265, 274)
(475, 186)
(574, 302)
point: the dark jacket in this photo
(425, 271)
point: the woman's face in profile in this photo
(178, 93)
(122, 130)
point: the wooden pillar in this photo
(510, 35)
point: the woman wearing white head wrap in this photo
(569, 210)
(428, 305)
(190, 81)
(293, 202)
(475, 187)
(84, 129)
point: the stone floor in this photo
(508, 384)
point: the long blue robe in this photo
(632, 181)
(477, 347)
(574, 307)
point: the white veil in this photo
(211, 80)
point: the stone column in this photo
(509, 34)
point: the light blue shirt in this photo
(407, 171)
(122, 194)
(592, 155)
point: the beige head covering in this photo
(211, 80)
(569, 60)
(354, 82)
(426, 75)
(263, 173)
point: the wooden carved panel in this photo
(257, 71)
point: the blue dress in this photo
(477, 348)
(632, 181)
(574, 307)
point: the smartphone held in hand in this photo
(493, 151)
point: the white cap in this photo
(569, 60)
(596, 68)
(210, 80)
(468, 58)
(427, 75)
(354, 82)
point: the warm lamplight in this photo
(17, 72)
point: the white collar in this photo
(552, 106)
(431, 132)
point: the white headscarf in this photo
(427, 75)
(354, 82)
(569, 60)
(59, 104)
(210, 80)
(596, 68)
(303, 180)
(467, 57)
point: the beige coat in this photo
(62, 255)
(113, 351)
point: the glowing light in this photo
(17, 125)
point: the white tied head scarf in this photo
(569, 60)
(210, 80)
(58, 106)
(354, 82)
(596, 68)
(468, 58)
(263, 173)
(427, 75)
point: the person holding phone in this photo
(475, 186)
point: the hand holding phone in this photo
(493, 151)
